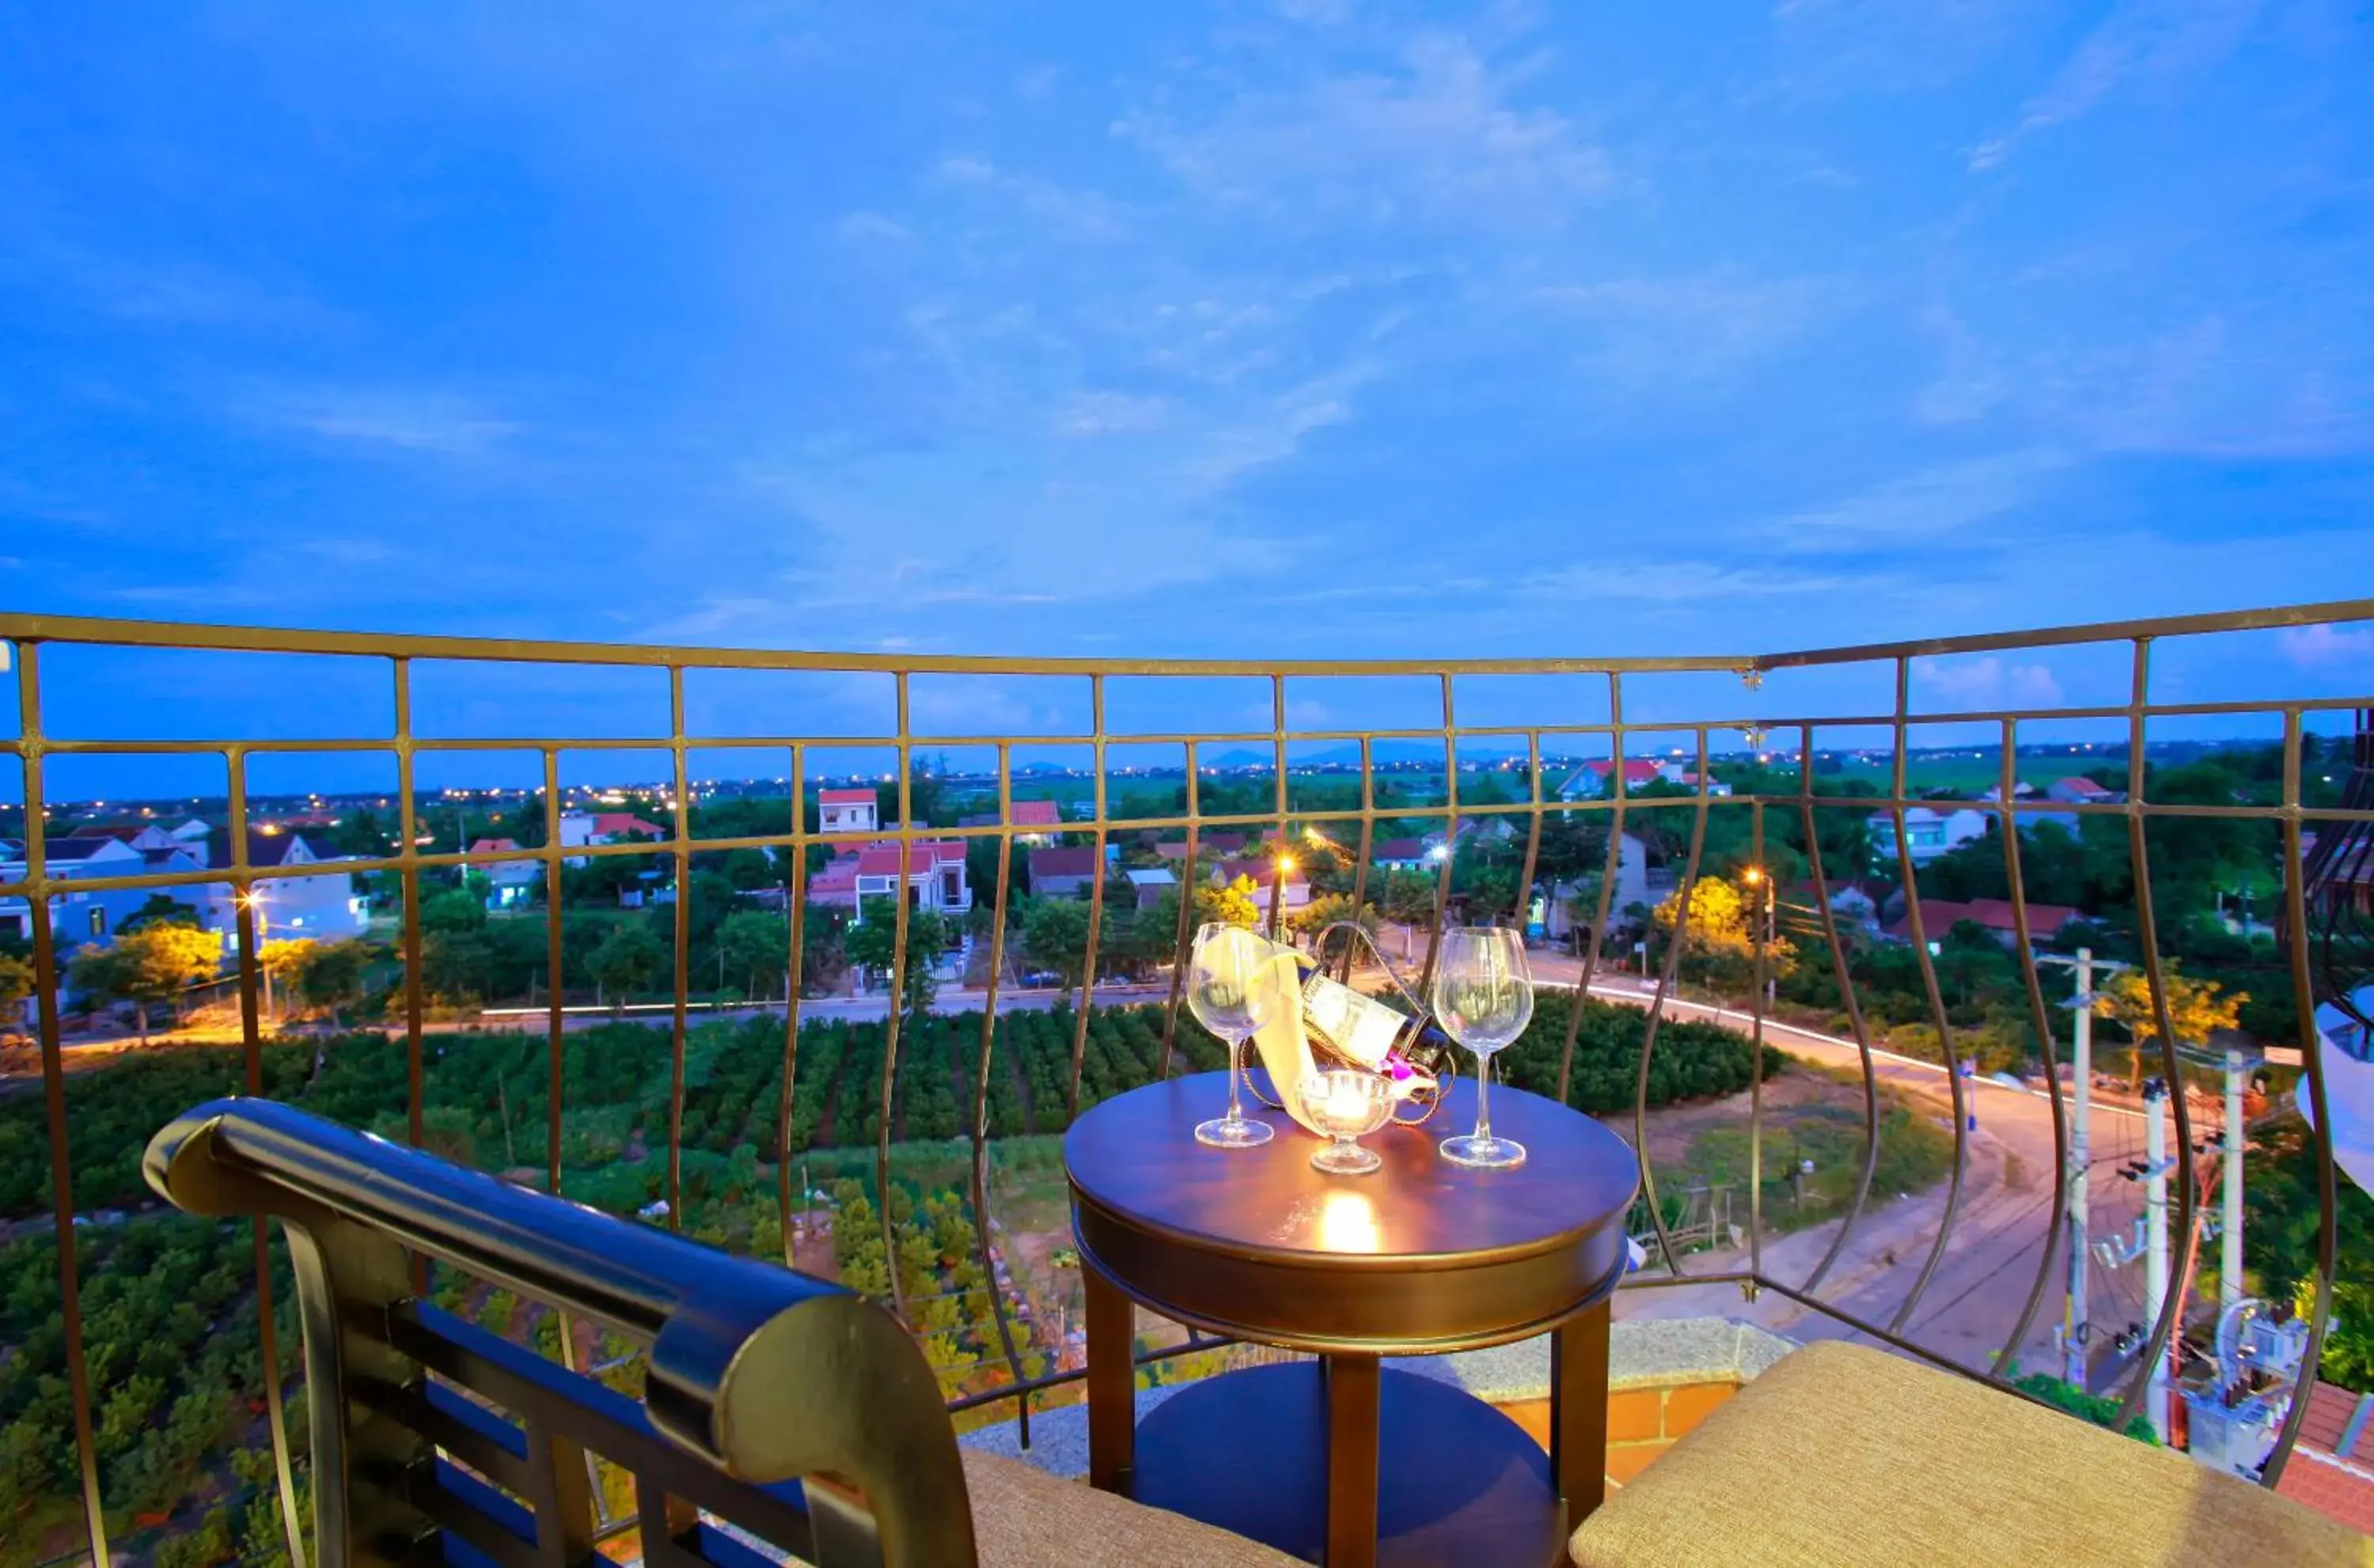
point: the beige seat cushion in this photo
(1845, 1457)
(1023, 1517)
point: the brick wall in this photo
(1643, 1420)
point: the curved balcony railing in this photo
(1726, 697)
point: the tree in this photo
(629, 958)
(154, 964)
(1409, 897)
(872, 941)
(332, 974)
(1720, 937)
(161, 907)
(756, 943)
(455, 963)
(1320, 913)
(2195, 1008)
(452, 910)
(1055, 936)
(16, 983)
(284, 959)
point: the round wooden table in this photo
(1339, 1460)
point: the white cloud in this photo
(1089, 414)
(1920, 506)
(1704, 582)
(406, 419)
(1987, 684)
(871, 226)
(2140, 38)
(2317, 647)
(1676, 330)
(1076, 214)
(1440, 138)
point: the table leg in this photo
(1352, 1453)
(1112, 1384)
(1579, 1413)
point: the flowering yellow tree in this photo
(1721, 933)
(2195, 1008)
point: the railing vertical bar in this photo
(2328, 1195)
(1277, 849)
(1844, 973)
(679, 1027)
(894, 1016)
(1367, 850)
(54, 1093)
(555, 1027)
(1670, 967)
(1096, 900)
(408, 855)
(416, 1092)
(245, 895)
(2179, 1265)
(1951, 1063)
(1770, 895)
(1188, 880)
(1608, 876)
(1449, 845)
(2040, 1020)
(984, 1066)
(1521, 912)
(795, 977)
(555, 1022)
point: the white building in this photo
(847, 810)
(1928, 832)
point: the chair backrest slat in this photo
(758, 1377)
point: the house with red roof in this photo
(1045, 815)
(514, 880)
(932, 870)
(847, 811)
(2080, 791)
(1591, 780)
(2332, 1468)
(1939, 915)
(1216, 843)
(1062, 873)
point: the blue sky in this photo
(1305, 327)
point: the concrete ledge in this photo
(1654, 1353)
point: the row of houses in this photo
(322, 906)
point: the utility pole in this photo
(2238, 1066)
(2076, 1328)
(2157, 1165)
(2074, 1323)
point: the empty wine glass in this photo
(1483, 998)
(1228, 989)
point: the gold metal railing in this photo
(800, 755)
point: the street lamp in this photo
(1754, 876)
(252, 902)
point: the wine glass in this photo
(1483, 998)
(1230, 990)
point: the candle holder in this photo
(1347, 1106)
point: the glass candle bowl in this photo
(1346, 1105)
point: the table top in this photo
(1135, 1157)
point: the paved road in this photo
(1990, 1261)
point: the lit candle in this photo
(1347, 1102)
